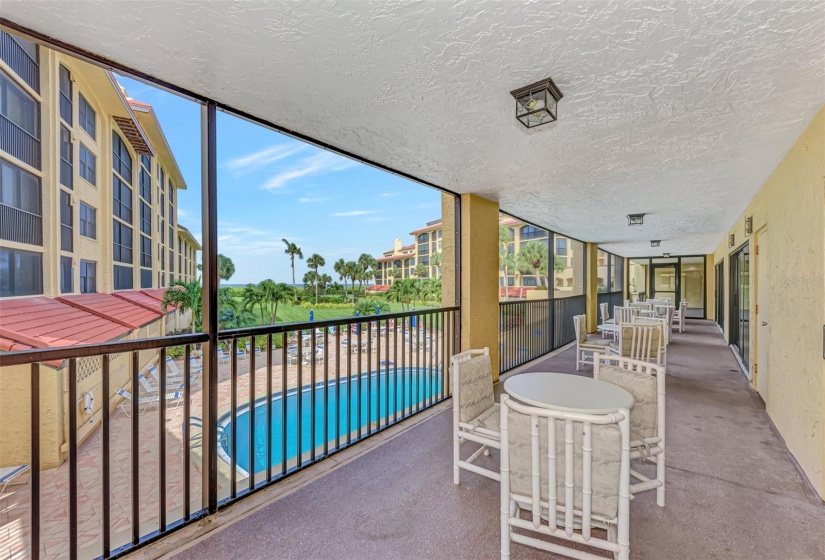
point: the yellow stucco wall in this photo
(791, 205)
(479, 276)
(592, 287)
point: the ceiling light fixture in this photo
(537, 103)
(655, 243)
(665, 255)
(635, 219)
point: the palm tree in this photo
(226, 268)
(506, 259)
(186, 296)
(315, 262)
(252, 296)
(340, 267)
(273, 293)
(435, 260)
(351, 269)
(421, 270)
(293, 251)
(365, 263)
(533, 257)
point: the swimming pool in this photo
(417, 384)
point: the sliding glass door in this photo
(739, 334)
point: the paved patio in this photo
(733, 488)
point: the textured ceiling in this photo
(677, 109)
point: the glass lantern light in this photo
(537, 103)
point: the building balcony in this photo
(20, 226)
(18, 143)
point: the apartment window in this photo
(162, 204)
(121, 242)
(66, 274)
(88, 277)
(19, 107)
(145, 184)
(121, 199)
(561, 247)
(88, 221)
(171, 260)
(145, 251)
(86, 115)
(87, 165)
(65, 94)
(171, 237)
(66, 164)
(145, 218)
(19, 188)
(121, 160)
(145, 278)
(123, 277)
(161, 230)
(531, 232)
(66, 222)
(21, 273)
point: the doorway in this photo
(763, 313)
(739, 334)
(719, 294)
(665, 281)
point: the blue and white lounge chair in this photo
(7, 474)
(172, 399)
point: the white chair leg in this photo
(456, 458)
(660, 476)
(578, 358)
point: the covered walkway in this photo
(734, 490)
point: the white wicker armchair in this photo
(569, 473)
(643, 340)
(586, 344)
(646, 382)
(475, 412)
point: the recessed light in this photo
(655, 242)
(635, 219)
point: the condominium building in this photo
(89, 182)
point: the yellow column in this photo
(592, 287)
(479, 271)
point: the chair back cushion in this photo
(606, 462)
(579, 322)
(642, 350)
(643, 418)
(475, 387)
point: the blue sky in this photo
(271, 186)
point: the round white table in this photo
(571, 393)
(608, 328)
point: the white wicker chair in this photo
(643, 340)
(586, 343)
(604, 311)
(679, 315)
(475, 412)
(569, 473)
(623, 315)
(646, 382)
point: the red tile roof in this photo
(44, 322)
(156, 294)
(515, 291)
(426, 228)
(378, 288)
(142, 299)
(113, 308)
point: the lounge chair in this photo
(172, 399)
(7, 474)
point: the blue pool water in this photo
(417, 385)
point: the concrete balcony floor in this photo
(733, 490)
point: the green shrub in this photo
(174, 351)
(324, 305)
(368, 306)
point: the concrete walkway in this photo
(733, 488)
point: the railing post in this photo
(209, 204)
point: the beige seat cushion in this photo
(475, 379)
(596, 341)
(490, 419)
(606, 462)
(643, 417)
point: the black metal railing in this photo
(20, 226)
(529, 329)
(19, 60)
(287, 397)
(19, 143)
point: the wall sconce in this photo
(748, 225)
(655, 242)
(731, 240)
(537, 103)
(635, 219)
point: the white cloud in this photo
(390, 194)
(354, 213)
(324, 162)
(309, 200)
(254, 161)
